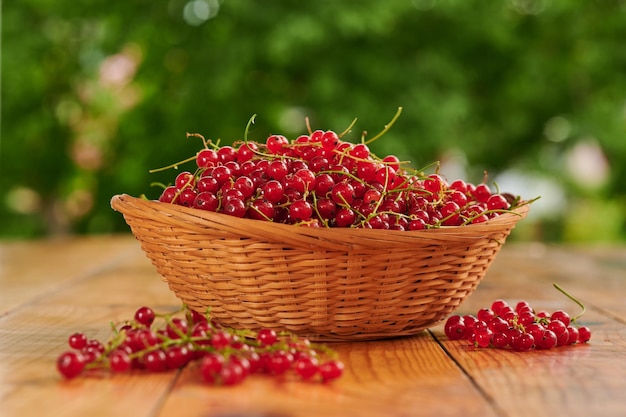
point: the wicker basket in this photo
(322, 283)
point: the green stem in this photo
(582, 307)
(348, 129)
(250, 122)
(387, 127)
(175, 165)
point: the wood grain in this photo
(50, 289)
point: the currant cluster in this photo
(320, 180)
(519, 328)
(159, 342)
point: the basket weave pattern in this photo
(322, 283)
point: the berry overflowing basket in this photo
(412, 249)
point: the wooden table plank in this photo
(29, 269)
(87, 300)
(405, 377)
(84, 284)
(568, 381)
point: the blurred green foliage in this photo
(94, 94)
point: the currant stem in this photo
(348, 129)
(573, 299)
(387, 127)
(175, 165)
(247, 130)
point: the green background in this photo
(94, 94)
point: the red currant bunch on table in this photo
(320, 180)
(518, 327)
(153, 342)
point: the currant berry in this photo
(70, 364)
(119, 361)
(211, 366)
(184, 179)
(300, 210)
(522, 342)
(206, 201)
(77, 341)
(561, 316)
(232, 373)
(330, 370)
(497, 202)
(342, 194)
(266, 337)
(481, 193)
(279, 362)
(144, 316)
(207, 158)
(548, 340)
(169, 195)
(306, 366)
(155, 360)
(345, 217)
(235, 207)
(584, 334)
(275, 143)
(177, 328)
(482, 337)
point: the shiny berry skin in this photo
(300, 210)
(360, 151)
(497, 202)
(482, 338)
(246, 152)
(70, 364)
(261, 209)
(329, 140)
(275, 143)
(211, 366)
(207, 184)
(523, 342)
(77, 341)
(548, 340)
(561, 316)
(177, 328)
(481, 193)
(235, 207)
(584, 334)
(273, 191)
(120, 361)
(169, 195)
(185, 179)
(232, 373)
(267, 337)
(342, 194)
(331, 370)
(306, 366)
(345, 217)
(206, 201)
(207, 158)
(187, 197)
(145, 316)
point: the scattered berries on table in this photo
(152, 342)
(518, 327)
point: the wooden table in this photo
(50, 289)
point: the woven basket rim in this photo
(182, 215)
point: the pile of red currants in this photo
(519, 328)
(320, 180)
(159, 342)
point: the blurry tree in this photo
(94, 94)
